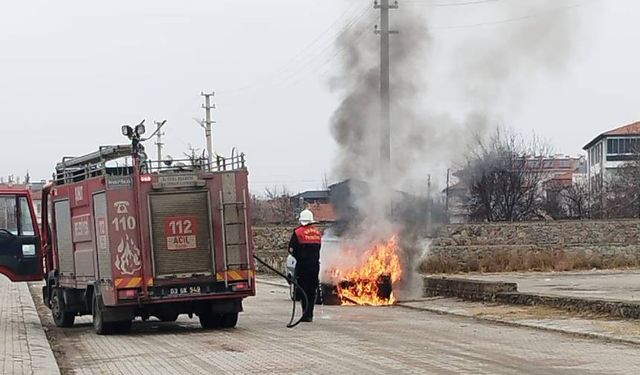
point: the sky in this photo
(73, 71)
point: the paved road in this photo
(600, 284)
(343, 340)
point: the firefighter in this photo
(305, 247)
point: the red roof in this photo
(322, 212)
(630, 129)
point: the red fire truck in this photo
(143, 239)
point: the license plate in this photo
(184, 290)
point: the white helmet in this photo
(306, 217)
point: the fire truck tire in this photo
(228, 320)
(61, 317)
(209, 320)
(105, 328)
(99, 324)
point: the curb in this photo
(507, 293)
(593, 336)
(42, 359)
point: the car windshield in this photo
(16, 219)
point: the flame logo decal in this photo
(128, 259)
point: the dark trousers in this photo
(307, 277)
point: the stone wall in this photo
(496, 247)
(270, 244)
(543, 245)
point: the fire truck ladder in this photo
(78, 168)
(232, 209)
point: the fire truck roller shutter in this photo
(102, 235)
(181, 234)
(64, 242)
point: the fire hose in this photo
(290, 281)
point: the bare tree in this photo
(554, 204)
(280, 205)
(576, 200)
(504, 174)
(325, 182)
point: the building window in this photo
(622, 146)
(612, 146)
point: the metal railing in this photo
(75, 169)
(219, 164)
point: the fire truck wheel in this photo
(209, 320)
(228, 320)
(61, 317)
(99, 325)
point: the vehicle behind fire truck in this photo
(152, 239)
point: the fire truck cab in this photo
(20, 250)
(123, 237)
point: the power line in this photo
(455, 4)
(313, 60)
(508, 20)
(343, 50)
(366, 31)
(282, 181)
(301, 56)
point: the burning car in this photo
(356, 277)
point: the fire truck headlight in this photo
(28, 250)
(140, 129)
(127, 131)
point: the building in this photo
(310, 197)
(559, 172)
(609, 151)
(317, 201)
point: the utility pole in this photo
(206, 124)
(446, 199)
(429, 205)
(159, 143)
(385, 96)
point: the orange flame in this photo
(360, 285)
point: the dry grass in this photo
(505, 261)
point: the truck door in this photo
(20, 252)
